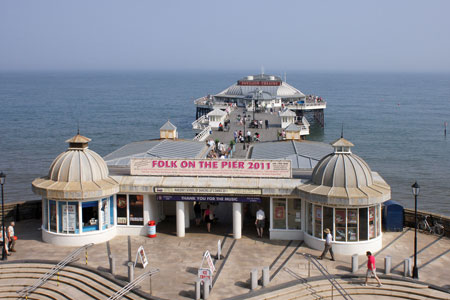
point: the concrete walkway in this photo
(179, 258)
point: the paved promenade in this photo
(179, 258)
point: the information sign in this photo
(141, 254)
(204, 274)
(69, 217)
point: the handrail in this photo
(120, 293)
(327, 275)
(196, 123)
(56, 268)
(203, 134)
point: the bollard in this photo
(387, 265)
(86, 256)
(265, 276)
(407, 267)
(130, 271)
(206, 289)
(219, 250)
(198, 291)
(112, 264)
(254, 279)
(354, 263)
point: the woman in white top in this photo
(260, 222)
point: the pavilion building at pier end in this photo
(304, 187)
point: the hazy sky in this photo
(225, 35)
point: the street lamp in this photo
(243, 133)
(2, 182)
(415, 190)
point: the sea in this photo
(395, 120)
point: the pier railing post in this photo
(354, 263)
(387, 265)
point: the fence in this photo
(22, 210)
(409, 219)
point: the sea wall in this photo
(409, 219)
(22, 210)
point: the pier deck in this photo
(266, 135)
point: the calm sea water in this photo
(396, 121)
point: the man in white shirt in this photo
(328, 241)
(260, 222)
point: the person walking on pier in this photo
(267, 124)
(328, 241)
(208, 217)
(260, 222)
(371, 268)
(11, 239)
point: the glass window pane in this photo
(45, 208)
(372, 229)
(352, 225)
(52, 215)
(318, 221)
(309, 218)
(294, 214)
(111, 205)
(279, 213)
(68, 219)
(136, 209)
(122, 210)
(340, 217)
(363, 224)
(60, 217)
(90, 216)
(105, 213)
(377, 216)
(328, 219)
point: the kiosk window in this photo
(309, 216)
(340, 220)
(136, 209)
(122, 210)
(363, 224)
(318, 221)
(294, 213)
(90, 216)
(327, 219)
(52, 215)
(279, 213)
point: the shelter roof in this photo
(164, 148)
(168, 126)
(217, 112)
(293, 127)
(287, 113)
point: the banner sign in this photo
(141, 254)
(211, 167)
(182, 190)
(208, 198)
(69, 217)
(259, 83)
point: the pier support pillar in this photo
(237, 220)
(180, 219)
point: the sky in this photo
(382, 35)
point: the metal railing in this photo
(327, 275)
(203, 134)
(56, 268)
(322, 104)
(120, 293)
(200, 123)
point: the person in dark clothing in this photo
(198, 213)
(267, 124)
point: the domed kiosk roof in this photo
(76, 174)
(344, 178)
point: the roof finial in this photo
(342, 131)
(78, 126)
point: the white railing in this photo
(307, 105)
(200, 123)
(70, 258)
(122, 292)
(203, 134)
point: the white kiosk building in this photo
(303, 186)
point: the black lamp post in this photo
(415, 191)
(2, 182)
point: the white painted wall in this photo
(78, 240)
(346, 248)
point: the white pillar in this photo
(187, 220)
(237, 220)
(180, 219)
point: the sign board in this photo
(208, 198)
(205, 273)
(69, 217)
(203, 190)
(141, 254)
(211, 167)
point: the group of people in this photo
(218, 150)
(10, 239)
(249, 137)
(206, 214)
(371, 270)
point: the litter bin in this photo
(392, 216)
(151, 229)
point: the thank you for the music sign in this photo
(211, 167)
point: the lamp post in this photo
(415, 190)
(243, 133)
(2, 182)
